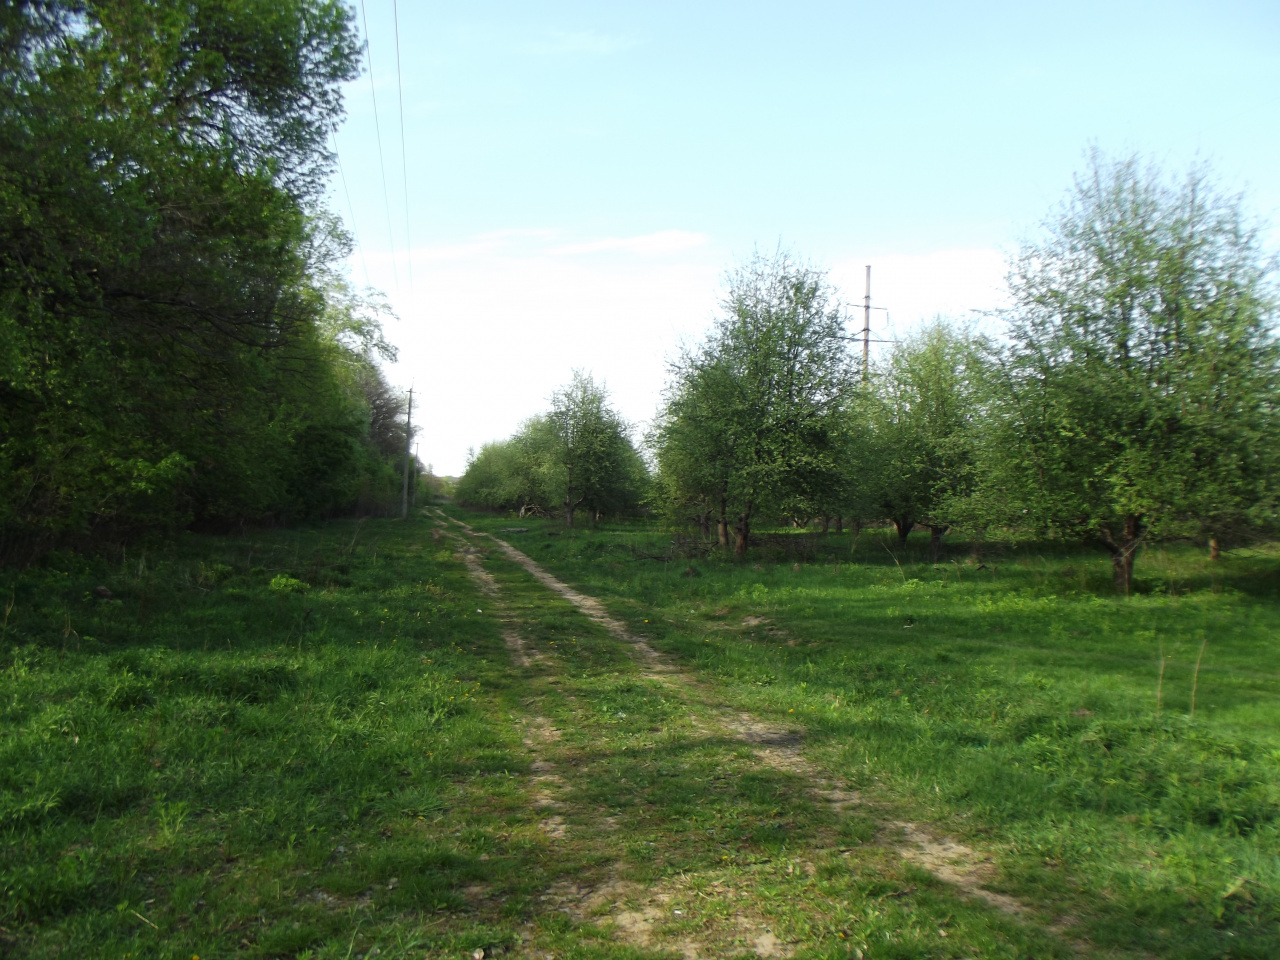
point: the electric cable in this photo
(355, 234)
(404, 163)
(386, 201)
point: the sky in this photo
(574, 180)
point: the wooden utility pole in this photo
(413, 491)
(866, 326)
(408, 435)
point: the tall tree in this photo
(160, 277)
(763, 394)
(1140, 381)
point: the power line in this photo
(351, 210)
(386, 201)
(404, 164)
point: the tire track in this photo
(538, 732)
(956, 864)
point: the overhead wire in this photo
(355, 234)
(386, 201)
(404, 163)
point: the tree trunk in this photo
(742, 533)
(826, 524)
(857, 532)
(1215, 548)
(936, 532)
(839, 524)
(904, 525)
(568, 498)
(722, 525)
(1122, 571)
(704, 524)
(1122, 551)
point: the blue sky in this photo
(579, 176)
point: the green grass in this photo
(1014, 705)
(205, 764)
(314, 743)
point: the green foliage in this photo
(1137, 394)
(1131, 397)
(576, 456)
(590, 460)
(171, 346)
(752, 416)
(922, 412)
(281, 583)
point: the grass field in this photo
(346, 742)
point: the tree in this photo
(694, 448)
(763, 396)
(1140, 381)
(163, 279)
(577, 456)
(507, 475)
(594, 463)
(922, 413)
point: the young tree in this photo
(694, 451)
(594, 464)
(1140, 382)
(922, 414)
(763, 394)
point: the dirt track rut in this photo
(637, 914)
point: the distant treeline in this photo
(579, 455)
(174, 346)
(1131, 394)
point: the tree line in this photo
(1130, 393)
(576, 456)
(176, 344)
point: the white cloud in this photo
(498, 321)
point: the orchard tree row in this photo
(1131, 393)
(174, 345)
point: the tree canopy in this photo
(172, 339)
(1130, 395)
(1137, 392)
(578, 455)
(761, 398)
(923, 412)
